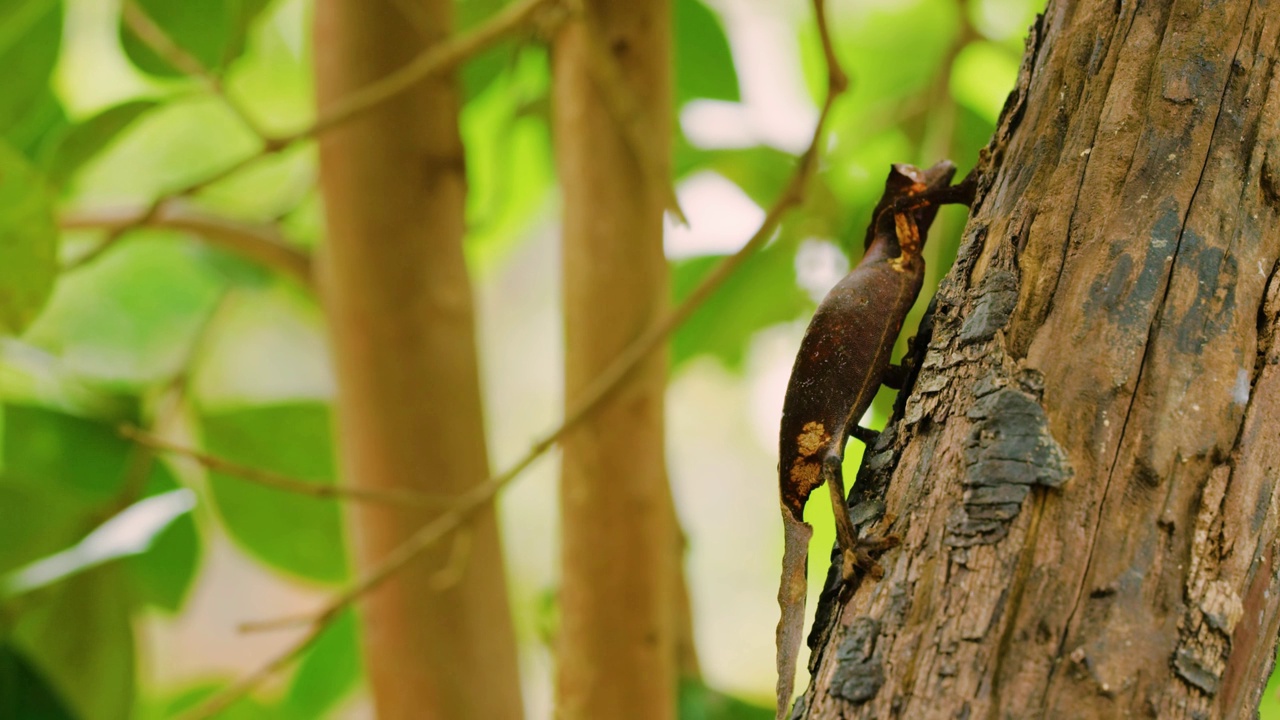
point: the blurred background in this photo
(123, 593)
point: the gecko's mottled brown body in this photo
(843, 359)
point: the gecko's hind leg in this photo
(858, 554)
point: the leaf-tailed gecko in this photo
(843, 360)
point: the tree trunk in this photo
(616, 648)
(400, 312)
(1084, 474)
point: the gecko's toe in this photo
(862, 560)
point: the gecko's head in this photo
(904, 183)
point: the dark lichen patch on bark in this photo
(859, 673)
(1213, 308)
(996, 301)
(1195, 671)
(1008, 451)
(1124, 297)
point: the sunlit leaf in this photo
(509, 167)
(25, 694)
(28, 242)
(211, 31)
(80, 638)
(299, 534)
(30, 36)
(31, 376)
(703, 64)
(889, 50)
(982, 77)
(86, 139)
(328, 672)
(129, 319)
(180, 704)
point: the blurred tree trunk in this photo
(400, 312)
(617, 645)
(1085, 473)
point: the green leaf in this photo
(35, 132)
(25, 694)
(28, 242)
(179, 704)
(85, 140)
(60, 473)
(760, 293)
(163, 574)
(83, 460)
(31, 376)
(481, 70)
(328, 672)
(888, 50)
(982, 77)
(81, 639)
(762, 172)
(211, 31)
(129, 319)
(130, 532)
(299, 534)
(37, 521)
(703, 64)
(30, 37)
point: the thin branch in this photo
(155, 38)
(434, 60)
(261, 243)
(482, 495)
(279, 481)
(228, 695)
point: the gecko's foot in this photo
(861, 561)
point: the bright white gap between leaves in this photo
(721, 218)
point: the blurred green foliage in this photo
(92, 116)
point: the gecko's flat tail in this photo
(791, 599)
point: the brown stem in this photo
(399, 307)
(618, 547)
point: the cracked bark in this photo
(1085, 471)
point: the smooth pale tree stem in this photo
(400, 312)
(616, 653)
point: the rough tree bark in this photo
(1085, 471)
(618, 601)
(400, 311)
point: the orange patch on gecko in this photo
(813, 436)
(805, 476)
